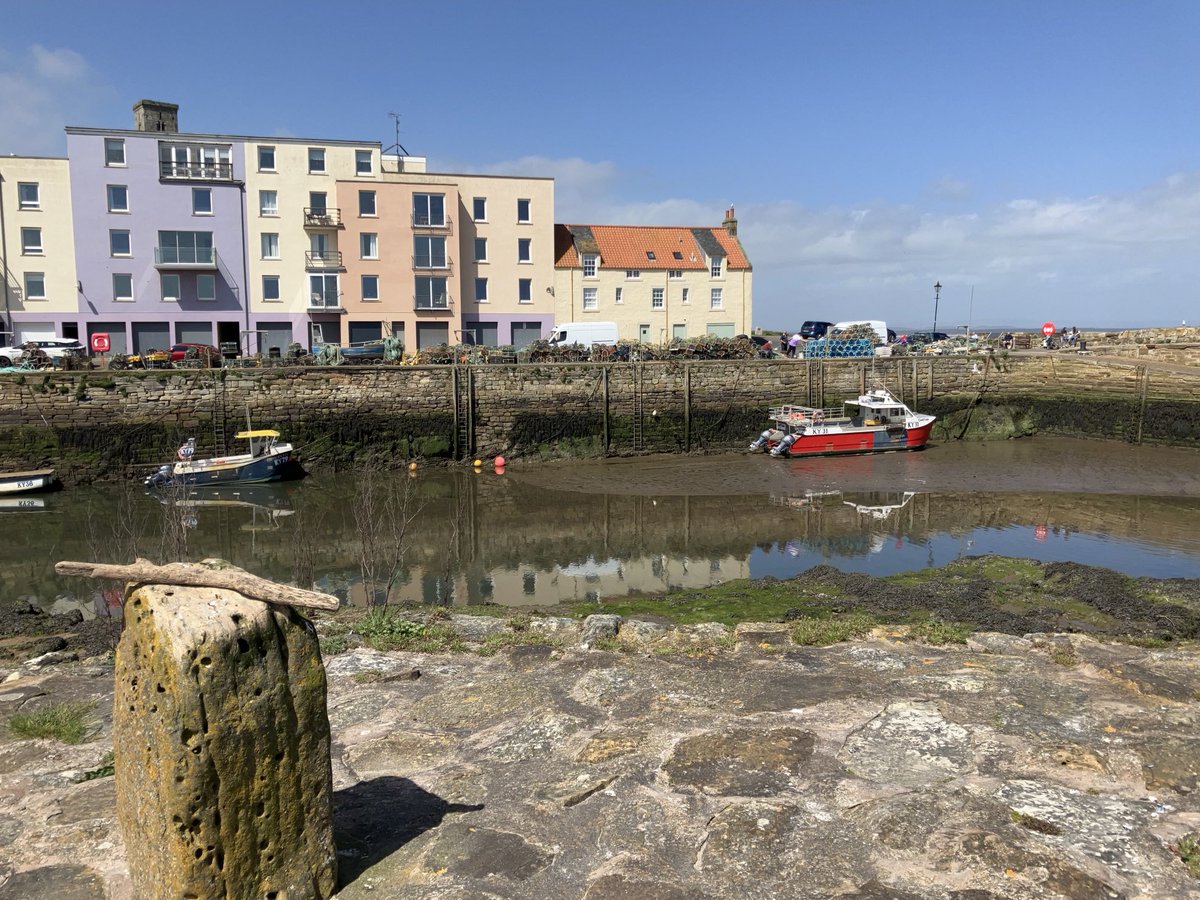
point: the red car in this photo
(204, 352)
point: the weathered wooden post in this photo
(220, 736)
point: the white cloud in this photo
(41, 91)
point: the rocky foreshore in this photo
(616, 758)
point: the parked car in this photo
(203, 352)
(810, 330)
(48, 349)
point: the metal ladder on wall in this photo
(464, 412)
(218, 417)
(638, 410)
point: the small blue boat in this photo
(268, 460)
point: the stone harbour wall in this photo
(98, 423)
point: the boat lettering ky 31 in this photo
(880, 423)
(267, 460)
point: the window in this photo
(590, 298)
(429, 209)
(429, 252)
(656, 298)
(650, 255)
(370, 287)
(523, 211)
(675, 254)
(118, 243)
(202, 201)
(481, 290)
(589, 265)
(366, 203)
(169, 283)
(480, 249)
(479, 209)
(324, 292)
(122, 286)
(431, 293)
(675, 273)
(632, 274)
(362, 162)
(524, 290)
(206, 286)
(114, 152)
(524, 249)
(185, 247)
(270, 287)
(270, 245)
(266, 159)
(369, 245)
(716, 266)
(27, 195)
(316, 160)
(716, 300)
(118, 198)
(686, 299)
(268, 203)
(31, 241)
(35, 285)
(620, 296)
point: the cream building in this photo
(657, 283)
(37, 248)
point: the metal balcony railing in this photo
(202, 171)
(322, 217)
(420, 220)
(325, 302)
(436, 263)
(437, 303)
(323, 259)
(185, 258)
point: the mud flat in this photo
(1056, 465)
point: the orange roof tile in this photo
(630, 246)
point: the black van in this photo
(810, 330)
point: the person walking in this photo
(793, 344)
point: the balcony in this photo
(433, 264)
(321, 303)
(186, 258)
(436, 303)
(323, 259)
(433, 223)
(322, 217)
(195, 171)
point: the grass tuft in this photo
(384, 628)
(106, 769)
(1187, 848)
(819, 632)
(937, 631)
(66, 722)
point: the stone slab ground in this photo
(1035, 767)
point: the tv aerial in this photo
(396, 146)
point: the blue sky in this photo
(1042, 158)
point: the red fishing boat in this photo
(874, 423)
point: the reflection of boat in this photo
(893, 500)
(881, 423)
(28, 482)
(807, 500)
(268, 460)
(18, 503)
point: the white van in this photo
(589, 334)
(880, 328)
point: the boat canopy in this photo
(261, 433)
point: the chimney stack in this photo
(730, 223)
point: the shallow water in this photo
(585, 531)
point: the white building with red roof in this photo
(657, 283)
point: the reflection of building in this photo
(591, 580)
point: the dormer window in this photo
(590, 261)
(716, 266)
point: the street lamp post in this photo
(937, 290)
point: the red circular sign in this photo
(100, 343)
(1049, 328)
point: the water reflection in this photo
(469, 539)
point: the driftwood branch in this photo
(229, 578)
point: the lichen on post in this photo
(221, 745)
